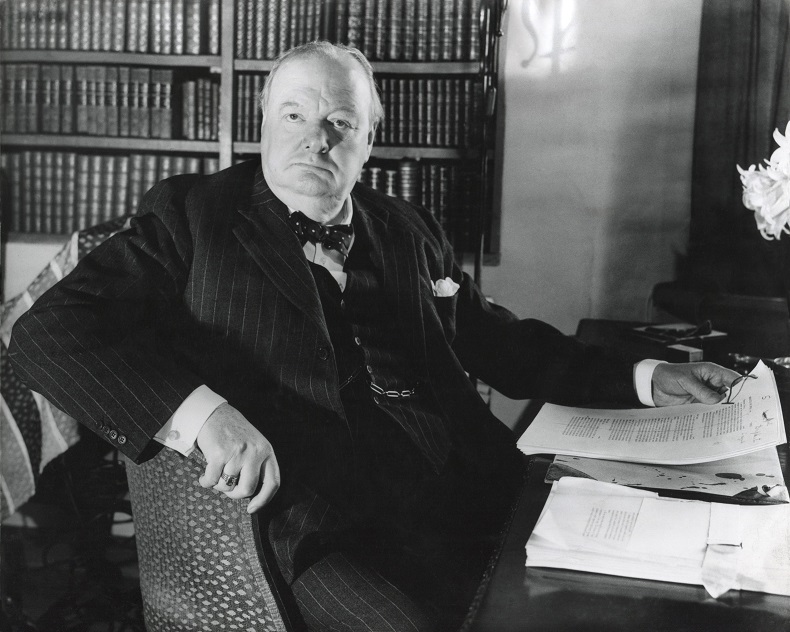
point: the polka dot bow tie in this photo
(330, 237)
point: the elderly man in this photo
(311, 337)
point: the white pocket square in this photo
(444, 287)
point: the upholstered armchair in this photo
(204, 566)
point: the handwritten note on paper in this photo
(673, 435)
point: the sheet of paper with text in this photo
(672, 435)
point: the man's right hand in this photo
(234, 447)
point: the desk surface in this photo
(518, 598)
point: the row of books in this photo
(108, 101)
(417, 112)
(448, 190)
(59, 192)
(393, 30)
(140, 26)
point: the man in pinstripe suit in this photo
(336, 367)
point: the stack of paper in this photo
(604, 528)
(737, 439)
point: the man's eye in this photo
(292, 117)
(340, 124)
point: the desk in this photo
(517, 598)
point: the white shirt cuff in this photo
(643, 380)
(181, 430)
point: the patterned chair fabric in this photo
(203, 564)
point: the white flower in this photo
(766, 189)
(445, 287)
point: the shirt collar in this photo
(343, 217)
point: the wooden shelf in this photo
(382, 67)
(388, 153)
(37, 238)
(111, 142)
(107, 57)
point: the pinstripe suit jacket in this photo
(210, 286)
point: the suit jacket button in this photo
(121, 439)
(113, 435)
(105, 429)
(323, 353)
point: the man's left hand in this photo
(702, 382)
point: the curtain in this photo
(743, 94)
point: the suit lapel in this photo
(263, 231)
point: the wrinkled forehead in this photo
(337, 82)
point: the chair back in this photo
(203, 564)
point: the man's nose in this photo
(316, 140)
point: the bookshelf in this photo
(142, 89)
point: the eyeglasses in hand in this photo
(737, 386)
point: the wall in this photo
(597, 156)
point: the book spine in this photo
(93, 18)
(125, 99)
(95, 190)
(33, 109)
(188, 109)
(150, 171)
(106, 25)
(259, 30)
(213, 27)
(293, 24)
(118, 27)
(59, 182)
(313, 20)
(62, 19)
(100, 79)
(434, 30)
(368, 46)
(46, 99)
(135, 181)
(240, 13)
(341, 21)
(164, 168)
(474, 30)
(155, 103)
(177, 27)
(111, 100)
(356, 21)
(249, 29)
(422, 112)
(409, 28)
(395, 30)
(213, 121)
(84, 28)
(23, 11)
(21, 111)
(67, 100)
(272, 25)
(191, 165)
(90, 85)
(430, 112)
(144, 25)
(40, 17)
(411, 112)
(166, 101)
(241, 108)
(122, 186)
(155, 37)
(167, 25)
(9, 97)
(47, 189)
(108, 189)
(448, 10)
(283, 41)
(36, 184)
(403, 112)
(421, 32)
(66, 200)
(441, 113)
(51, 20)
(193, 23)
(200, 108)
(133, 28)
(467, 122)
(460, 31)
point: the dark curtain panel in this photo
(743, 94)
